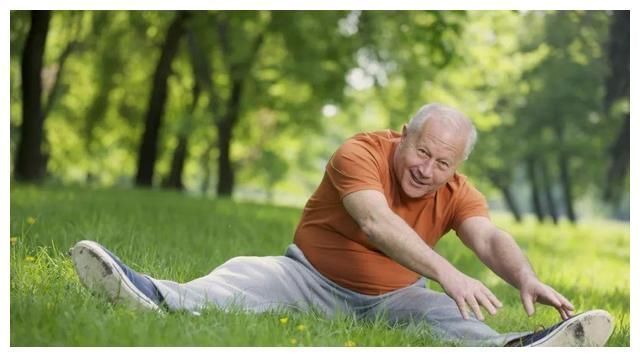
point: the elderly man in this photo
(364, 246)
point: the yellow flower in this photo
(13, 240)
(284, 320)
(301, 327)
(29, 258)
(349, 343)
(31, 220)
(293, 341)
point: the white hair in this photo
(451, 115)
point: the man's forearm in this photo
(402, 244)
(506, 259)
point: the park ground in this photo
(175, 236)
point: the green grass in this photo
(173, 236)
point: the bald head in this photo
(447, 116)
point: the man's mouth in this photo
(415, 179)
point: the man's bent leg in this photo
(419, 304)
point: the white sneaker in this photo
(104, 274)
(589, 329)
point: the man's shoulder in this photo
(381, 136)
(377, 141)
(460, 187)
(458, 183)
(371, 150)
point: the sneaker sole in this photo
(589, 329)
(103, 276)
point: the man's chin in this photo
(415, 192)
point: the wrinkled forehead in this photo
(444, 134)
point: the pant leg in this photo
(417, 304)
(254, 284)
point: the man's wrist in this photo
(442, 269)
(525, 278)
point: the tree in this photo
(30, 160)
(616, 103)
(286, 63)
(174, 178)
(238, 72)
(560, 118)
(148, 148)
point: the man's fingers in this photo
(462, 306)
(555, 301)
(565, 302)
(565, 307)
(494, 300)
(527, 302)
(485, 301)
(474, 306)
(563, 313)
(569, 312)
(545, 294)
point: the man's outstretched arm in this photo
(393, 236)
(498, 250)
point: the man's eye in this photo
(444, 165)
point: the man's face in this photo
(427, 159)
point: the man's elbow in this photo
(376, 230)
(370, 229)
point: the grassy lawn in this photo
(173, 236)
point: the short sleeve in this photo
(469, 203)
(355, 166)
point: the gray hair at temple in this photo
(453, 116)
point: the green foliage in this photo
(532, 82)
(564, 114)
(174, 236)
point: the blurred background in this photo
(251, 104)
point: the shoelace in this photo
(539, 332)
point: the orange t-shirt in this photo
(333, 242)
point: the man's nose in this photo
(426, 168)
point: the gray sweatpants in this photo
(258, 284)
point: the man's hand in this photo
(391, 235)
(535, 291)
(469, 292)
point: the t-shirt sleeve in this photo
(470, 203)
(354, 167)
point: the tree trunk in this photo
(618, 80)
(535, 191)
(30, 159)
(619, 163)
(618, 87)
(149, 147)
(238, 72)
(203, 75)
(511, 203)
(548, 194)
(55, 88)
(206, 168)
(225, 169)
(503, 186)
(565, 177)
(174, 179)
